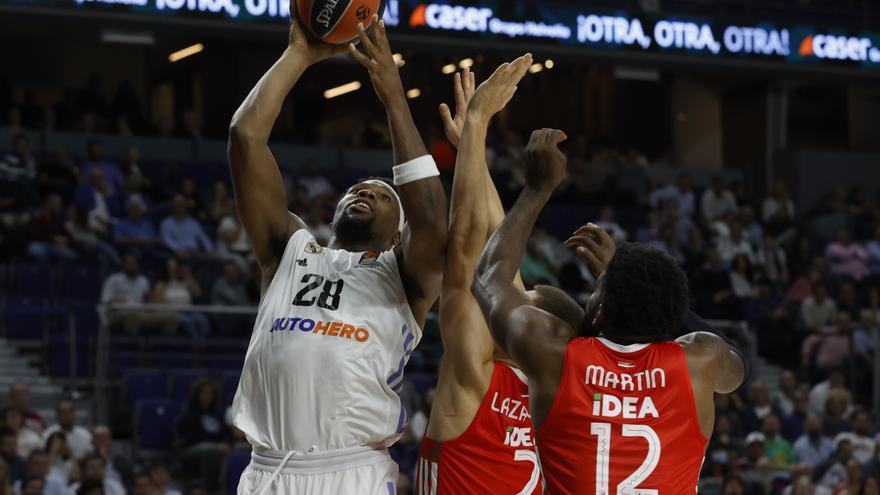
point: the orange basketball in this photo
(336, 21)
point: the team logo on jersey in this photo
(518, 437)
(302, 262)
(369, 259)
(314, 248)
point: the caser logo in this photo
(326, 12)
(451, 17)
(363, 12)
(839, 48)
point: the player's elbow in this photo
(242, 133)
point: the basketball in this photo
(336, 21)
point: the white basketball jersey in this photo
(325, 362)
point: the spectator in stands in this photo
(62, 463)
(680, 192)
(9, 454)
(835, 469)
(133, 172)
(91, 488)
(203, 433)
(27, 439)
(734, 244)
(183, 234)
(813, 448)
(716, 201)
(229, 290)
(712, 289)
(142, 484)
(19, 397)
(317, 186)
(752, 229)
(778, 209)
(783, 399)
(694, 252)
(94, 471)
(232, 241)
(818, 310)
(179, 288)
(773, 262)
(194, 204)
(776, 448)
(220, 204)
(819, 393)
(609, 224)
(834, 422)
(94, 198)
(47, 236)
(118, 467)
(846, 258)
(668, 243)
(59, 174)
(162, 480)
(131, 287)
(79, 438)
(847, 300)
(863, 342)
(109, 171)
(742, 278)
(88, 242)
(830, 347)
(38, 466)
(793, 424)
(872, 467)
(753, 466)
(860, 437)
(34, 486)
(758, 406)
(17, 172)
(135, 232)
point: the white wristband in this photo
(413, 170)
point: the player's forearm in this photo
(254, 119)
(504, 251)
(405, 138)
(469, 212)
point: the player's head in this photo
(641, 297)
(370, 212)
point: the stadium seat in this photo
(154, 424)
(60, 357)
(145, 384)
(175, 360)
(31, 281)
(181, 383)
(25, 319)
(225, 362)
(80, 283)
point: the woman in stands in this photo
(63, 464)
(203, 433)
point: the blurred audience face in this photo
(66, 414)
(758, 394)
(21, 147)
(142, 484)
(813, 427)
(38, 464)
(861, 423)
(8, 445)
(133, 154)
(770, 426)
(732, 486)
(844, 451)
(19, 396)
(12, 418)
(94, 470)
(136, 210)
(755, 451)
(842, 236)
(220, 190)
(844, 322)
(130, 265)
(54, 205)
(788, 382)
(102, 438)
(871, 487)
(178, 206)
(160, 476)
(33, 486)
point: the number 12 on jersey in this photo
(629, 486)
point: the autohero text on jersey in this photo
(317, 327)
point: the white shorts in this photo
(359, 471)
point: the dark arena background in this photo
(742, 137)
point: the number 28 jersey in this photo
(324, 366)
(623, 421)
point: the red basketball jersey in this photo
(496, 454)
(623, 421)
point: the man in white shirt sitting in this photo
(682, 194)
(131, 287)
(78, 438)
(94, 471)
(716, 201)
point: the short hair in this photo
(646, 293)
(89, 487)
(93, 457)
(7, 432)
(556, 302)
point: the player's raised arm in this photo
(260, 197)
(522, 330)
(467, 344)
(423, 241)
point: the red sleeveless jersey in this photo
(623, 421)
(496, 454)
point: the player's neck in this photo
(336, 242)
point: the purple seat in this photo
(145, 384)
(154, 424)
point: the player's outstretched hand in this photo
(306, 45)
(379, 61)
(494, 94)
(593, 245)
(464, 86)
(544, 162)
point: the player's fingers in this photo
(590, 258)
(380, 34)
(470, 84)
(367, 43)
(446, 116)
(360, 57)
(522, 65)
(558, 136)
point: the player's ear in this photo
(395, 241)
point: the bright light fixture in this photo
(414, 93)
(448, 68)
(535, 68)
(466, 63)
(186, 52)
(342, 90)
(549, 64)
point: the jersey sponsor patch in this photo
(313, 247)
(317, 327)
(369, 259)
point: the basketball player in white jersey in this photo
(318, 397)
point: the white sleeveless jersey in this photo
(325, 362)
